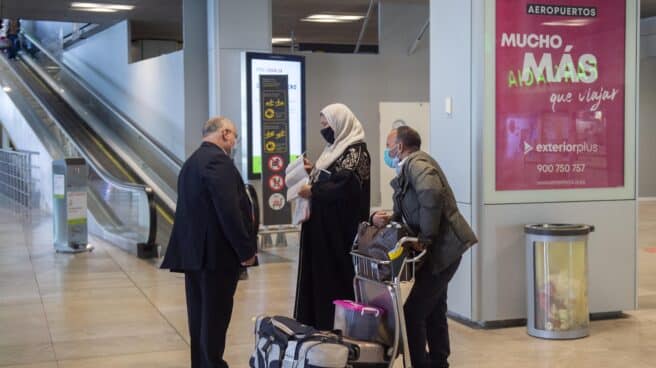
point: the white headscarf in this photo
(348, 131)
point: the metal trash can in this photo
(557, 280)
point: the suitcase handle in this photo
(370, 309)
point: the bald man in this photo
(211, 239)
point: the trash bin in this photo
(69, 205)
(557, 280)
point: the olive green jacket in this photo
(424, 201)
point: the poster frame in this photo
(625, 192)
(250, 56)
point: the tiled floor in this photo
(647, 255)
(108, 309)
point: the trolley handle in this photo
(405, 240)
(416, 258)
(421, 243)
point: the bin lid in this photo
(558, 229)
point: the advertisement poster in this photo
(559, 94)
(275, 147)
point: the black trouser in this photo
(209, 308)
(425, 317)
(13, 48)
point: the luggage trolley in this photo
(378, 283)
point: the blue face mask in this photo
(392, 162)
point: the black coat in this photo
(212, 218)
(338, 205)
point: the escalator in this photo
(132, 182)
(120, 212)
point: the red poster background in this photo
(540, 145)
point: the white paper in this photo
(293, 165)
(292, 192)
(58, 185)
(296, 176)
(301, 211)
(77, 205)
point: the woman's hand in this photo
(305, 191)
(381, 218)
(307, 164)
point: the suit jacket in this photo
(423, 197)
(212, 228)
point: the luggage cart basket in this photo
(378, 283)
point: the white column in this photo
(216, 34)
(195, 61)
(490, 285)
(235, 26)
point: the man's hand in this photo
(250, 261)
(381, 218)
(305, 191)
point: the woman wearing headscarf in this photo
(339, 197)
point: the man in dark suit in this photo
(211, 239)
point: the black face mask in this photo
(328, 134)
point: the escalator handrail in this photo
(152, 213)
(139, 168)
(82, 29)
(97, 167)
(172, 158)
(100, 170)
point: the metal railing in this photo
(16, 183)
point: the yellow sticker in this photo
(270, 146)
(394, 254)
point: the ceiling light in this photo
(336, 16)
(96, 7)
(98, 10)
(322, 20)
(350, 18)
(281, 40)
(333, 18)
(320, 16)
(120, 7)
(6, 89)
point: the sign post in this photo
(275, 148)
